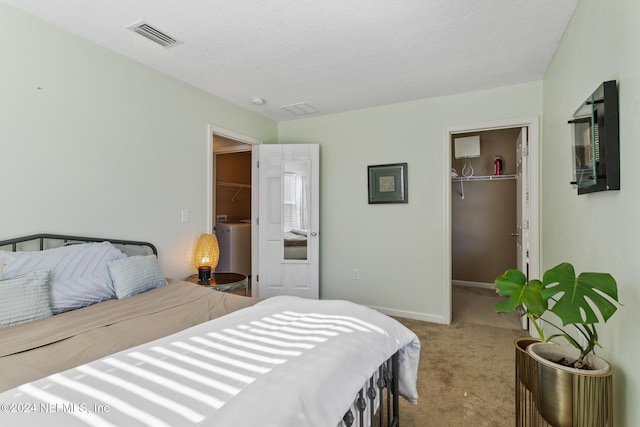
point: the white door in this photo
(287, 219)
(522, 209)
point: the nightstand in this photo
(224, 282)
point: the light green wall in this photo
(92, 143)
(398, 248)
(600, 231)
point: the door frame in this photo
(213, 130)
(532, 123)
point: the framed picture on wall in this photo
(388, 183)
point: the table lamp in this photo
(205, 257)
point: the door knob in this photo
(516, 234)
(313, 233)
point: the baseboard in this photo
(425, 316)
(472, 284)
(410, 315)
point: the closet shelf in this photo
(232, 184)
(483, 178)
(235, 185)
(463, 179)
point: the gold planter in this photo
(524, 363)
(526, 410)
(568, 397)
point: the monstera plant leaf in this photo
(513, 284)
(572, 305)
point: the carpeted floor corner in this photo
(466, 374)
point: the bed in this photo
(177, 354)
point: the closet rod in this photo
(232, 184)
(462, 179)
(484, 178)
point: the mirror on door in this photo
(295, 209)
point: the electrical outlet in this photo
(356, 274)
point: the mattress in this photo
(284, 361)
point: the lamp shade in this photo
(206, 252)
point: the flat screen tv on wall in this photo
(596, 145)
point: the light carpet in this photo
(466, 374)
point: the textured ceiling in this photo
(336, 55)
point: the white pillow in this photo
(78, 273)
(132, 250)
(135, 274)
(24, 298)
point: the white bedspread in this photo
(283, 362)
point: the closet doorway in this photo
(483, 208)
(492, 199)
(230, 195)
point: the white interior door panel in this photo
(286, 207)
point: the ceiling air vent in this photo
(154, 34)
(300, 109)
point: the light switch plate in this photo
(184, 215)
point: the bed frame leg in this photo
(394, 390)
(387, 379)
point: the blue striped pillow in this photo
(24, 298)
(135, 274)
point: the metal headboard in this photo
(42, 237)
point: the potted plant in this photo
(564, 370)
